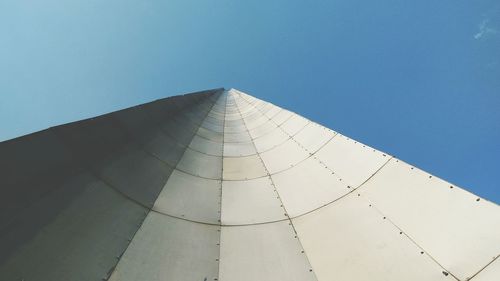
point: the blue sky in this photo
(417, 79)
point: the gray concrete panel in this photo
(165, 148)
(206, 146)
(190, 197)
(210, 135)
(182, 250)
(200, 164)
(27, 175)
(74, 233)
(135, 173)
(74, 195)
(266, 252)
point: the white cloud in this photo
(484, 29)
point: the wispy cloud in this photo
(484, 29)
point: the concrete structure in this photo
(218, 185)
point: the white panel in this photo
(209, 134)
(350, 160)
(266, 107)
(242, 168)
(239, 149)
(232, 117)
(265, 252)
(235, 129)
(256, 122)
(250, 201)
(235, 123)
(166, 248)
(271, 140)
(461, 233)
(263, 130)
(231, 107)
(349, 240)
(245, 107)
(237, 137)
(216, 115)
(261, 105)
(252, 115)
(294, 124)
(490, 273)
(273, 111)
(200, 164)
(308, 186)
(190, 197)
(211, 126)
(282, 116)
(284, 156)
(206, 146)
(314, 136)
(233, 111)
(214, 120)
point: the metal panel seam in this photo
(110, 273)
(483, 268)
(284, 208)
(402, 232)
(220, 194)
(321, 162)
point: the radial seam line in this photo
(149, 209)
(281, 201)
(483, 268)
(221, 181)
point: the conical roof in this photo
(219, 185)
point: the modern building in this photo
(219, 185)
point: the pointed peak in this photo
(233, 91)
(237, 93)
